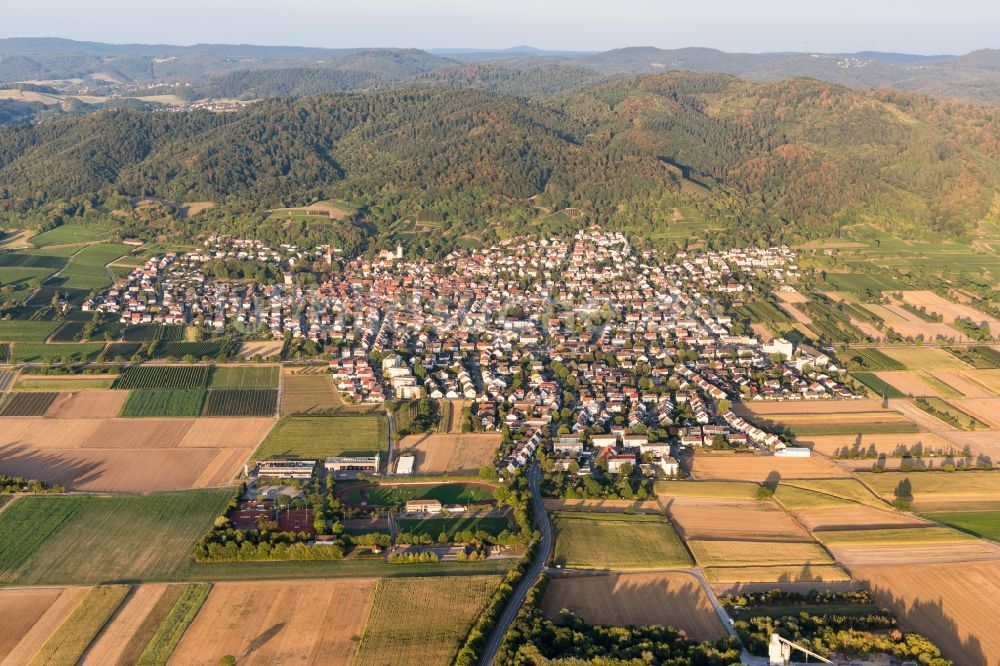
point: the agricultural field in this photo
(933, 486)
(26, 331)
(88, 539)
(806, 424)
(610, 541)
(853, 517)
(984, 524)
(87, 405)
(30, 352)
(163, 377)
(241, 402)
(122, 351)
(68, 234)
(732, 519)
(738, 553)
(861, 282)
(316, 437)
(174, 624)
(804, 408)
(269, 349)
(164, 402)
(319, 622)
(243, 377)
(69, 332)
(603, 505)
(950, 414)
(916, 384)
(980, 357)
(717, 489)
(396, 495)
(29, 616)
(925, 358)
(671, 599)
(871, 360)
(877, 385)
(27, 404)
(840, 491)
(949, 310)
(892, 535)
(761, 468)
(956, 606)
(422, 621)
(132, 627)
(909, 323)
(434, 527)
(452, 453)
(308, 393)
(87, 269)
(797, 573)
(963, 384)
(69, 641)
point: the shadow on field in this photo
(262, 639)
(52, 468)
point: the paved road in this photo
(489, 654)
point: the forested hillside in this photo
(798, 158)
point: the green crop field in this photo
(316, 437)
(68, 234)
(241, 402)
(446, 493)
(243, 376)
(87, 269)
(871, 360)
(86, 539)
(26, 331)
(27, 352)
(985, 524)
(878, 386)
(617, 541)
(861, 282)
(433, 527)
(163, 377)
(54, 383)
(164, 402)
(422, 621)
(72, 637)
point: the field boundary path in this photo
(513, 607)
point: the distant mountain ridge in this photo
(106, 68)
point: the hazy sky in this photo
(915, 26)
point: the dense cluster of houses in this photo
(567, 337)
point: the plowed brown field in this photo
(674, 599)
(956, 607)
(27, 627)
(308, 622)
(87, 405)
(437, 454)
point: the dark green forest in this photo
(798, 159)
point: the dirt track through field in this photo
(956, 607)
(279, 622)
(32, 640)
(672, 599)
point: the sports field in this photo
(616, 541)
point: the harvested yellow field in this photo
(988, 379)
(910, 383)
(265, 349)
(926, 358)
(733, 519)
(963, 384)
(602, 506)
(796, 314)
(856, 555)
(763, 332)
(278, 622)
(878, 444)
(792, 297)
(673, 600)
(796, 407)
(717, 552)
(777, 574)
(111, 645)
(22, 610)
(956, 607)
(910, 325)
(986, 410)
(949, 309)
(440, 454)
(890, 317)
(806, 419)
(87, 405)
(227, 433)
(762, 468)
(856, 516)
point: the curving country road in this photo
(489, 654)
